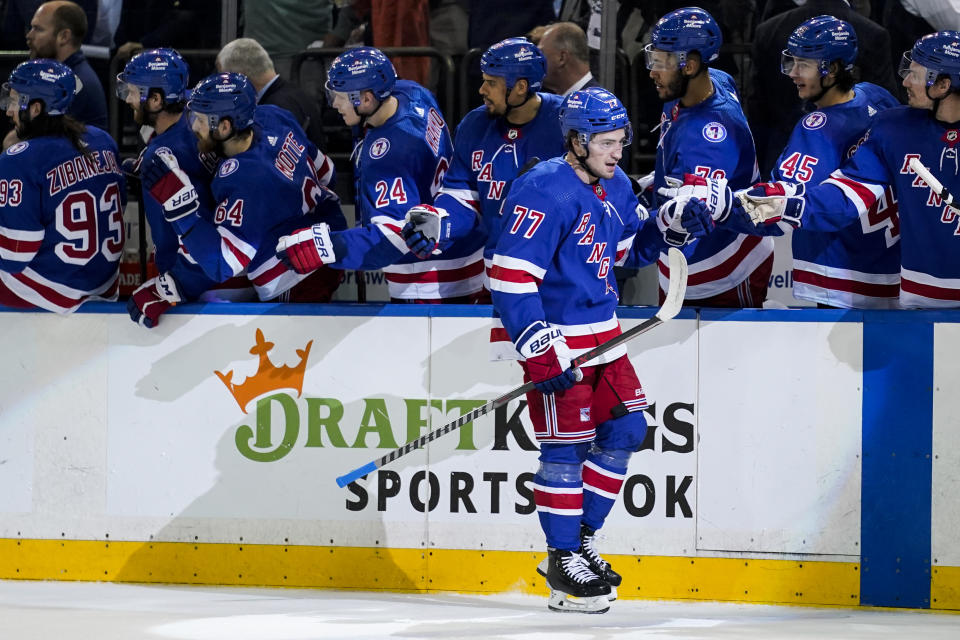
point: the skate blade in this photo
(542, 570)
(566, 603)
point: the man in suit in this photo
(564, 45)
(773, 106)
(246, 56)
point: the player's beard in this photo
(675, 88)
(143, 117)
(211, 145)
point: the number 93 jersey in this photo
(61, 220)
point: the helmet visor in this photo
(914, 72)
(609, 142)
(790, 64)
(8, 96)
(126, 90)
(658, 60)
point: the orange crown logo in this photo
(268, 377)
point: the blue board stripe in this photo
(897, 473)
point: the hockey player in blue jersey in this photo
(154, 85)
(858, 266)
(493, 142)
(402, 150)
(928, 131)
(266, 186)
(61, 197)
(703, 132)
(566, 223)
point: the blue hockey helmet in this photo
(515, 58)
(823, 38)
(42, 79)
(225, 95)
(161, 69)
(593, 110)
(684, 30)
(361, 69)
(939, 53)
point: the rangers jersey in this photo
(170, 254)
(929, 230)
(859, 265)
(554, 260)
(396, 165)
(488, 155)
(267, 191)
(712, 140)
(61, 220)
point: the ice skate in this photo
(597, 564)
(573, 586)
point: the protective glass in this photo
(659, 60)
(911, 71)
(801, 66)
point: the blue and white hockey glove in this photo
(170, 186)
(152, 299)
(713, 191)
(643, 189)
(426, 227)
(548, 358)
(682, 219)
(779, 203)
(306, 250)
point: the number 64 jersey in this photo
(61, 221)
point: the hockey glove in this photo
(170, 186)
(643, 189)
(548, 359)
(682, 219)
(426, 226)
(307, 249)
(152, 299)
(131, 167)
(713, 191)
(779, 203)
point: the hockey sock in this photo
(603, 475)
(558, 494)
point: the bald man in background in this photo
(564, 45)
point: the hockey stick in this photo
(671, 306)
(938, 188)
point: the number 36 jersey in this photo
(61, 220)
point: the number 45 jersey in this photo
(61, 221)
(858, 266)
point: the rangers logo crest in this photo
(379, 148)
(714, 132)
(229, 166)
(815, 120)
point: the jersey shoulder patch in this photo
(714, 132)
(379, 148)
(227, 167)
(815, 120)
(19, 147)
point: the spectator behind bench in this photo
(247, 56)
(56, 32)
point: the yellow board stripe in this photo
(416, 570)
